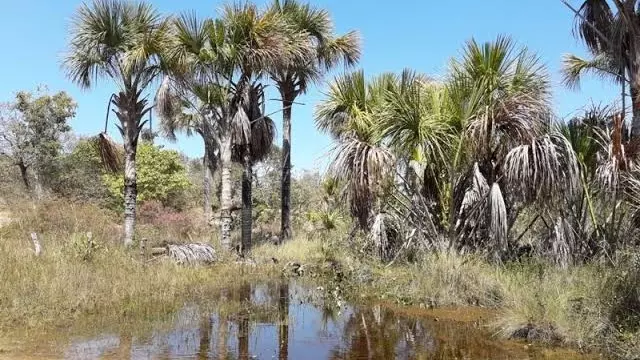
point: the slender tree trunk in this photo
(285, 194)
(247, 205)
(225, 194)
(206, 184)
(130, 193)
(25, 175)
(283, 325)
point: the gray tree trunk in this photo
(247, 205)
(285, 193)
(225, 193)
(130, 193)
(206, 183)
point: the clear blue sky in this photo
(422, 35)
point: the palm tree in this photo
(502, 95)
(611, 32)
(313, 27)
(215, 62)
(349, 115)
(252, 149)
(121, 41)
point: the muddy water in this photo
(289, 321)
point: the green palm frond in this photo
(502, 94)
(416, 119)
(118, 40)
(602, 65)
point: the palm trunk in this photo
(285, 222)
(206, 184)
(225, 193)
(247, 206)
(130, 193)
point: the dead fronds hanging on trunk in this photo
(111, 154)
(386, 235)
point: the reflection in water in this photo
(277, 321)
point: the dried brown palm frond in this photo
(364, 167)
(613, 158)
(474, 194)
(111, 153)
(562, 243)
(386, 235)
(192, 254)
(546, 166)
(263, 133)
(499, 225)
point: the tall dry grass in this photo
(75, 278)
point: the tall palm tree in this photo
(611, 32)
(349, 115)
(312, 26)
(122, 41)
(250, 150)
(215, 62)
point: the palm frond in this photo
(546, 167)
(499, 226)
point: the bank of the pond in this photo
(283, 319)
(588, 307)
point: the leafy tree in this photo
(121, 41)
(312, 26)
(31, 130)
(161, 175)
(79, 173)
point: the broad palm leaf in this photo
(121, 41)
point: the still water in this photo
(292, 321)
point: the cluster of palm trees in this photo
(475, 160)
(212, 74)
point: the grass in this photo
(592, 307)
(65, 284)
